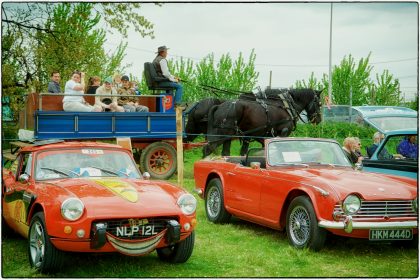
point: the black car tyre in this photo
(302, 225)
(179, 252)
(214, 202)
(43, 256)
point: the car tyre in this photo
(43, 256)
(302, 225)
(179, 252)
(214, 202)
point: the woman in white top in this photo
(73, 103)
(107, 103)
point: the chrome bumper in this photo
(349, 225)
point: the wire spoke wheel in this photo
(299, 225)
(302, 225)
(213, 202)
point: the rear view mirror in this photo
(146, 175)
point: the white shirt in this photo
(69, 91)
(165, 70)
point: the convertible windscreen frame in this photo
(135, 170)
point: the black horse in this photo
(274, 114)
(198, 117)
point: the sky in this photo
(289, 39)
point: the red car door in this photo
(14, 208)
(243, 187)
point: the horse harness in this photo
(283, 100)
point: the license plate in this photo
(143, 230)
(390, 234)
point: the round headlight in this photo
(187, 203)
(351, 204)
(72, 209)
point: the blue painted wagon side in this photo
(83, 125)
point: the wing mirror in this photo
(24, 178)
(146, 175)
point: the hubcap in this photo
(160, 162)
(213, 202)
(299, 227)
(37, 244)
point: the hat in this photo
(125, 78)
(162, 48)
(108, 80)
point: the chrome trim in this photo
(323, 192)
(198, 191)
(368, 225)
(380, 209)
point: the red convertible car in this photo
(308, 187)
(90, 197)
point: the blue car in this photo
(385, 118)
(394, 164)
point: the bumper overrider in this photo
(349, 225)
(172, 234)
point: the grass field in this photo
(237, 249)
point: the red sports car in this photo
(90, 197)
(308, 187)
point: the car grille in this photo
(152, 227)
(381, 209)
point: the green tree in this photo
(76, 43)
(386, 90)
(355, 79)
(226, 74)
(347, 76)
(312, 83)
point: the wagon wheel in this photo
(159, 159)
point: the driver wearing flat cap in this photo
(162, 69)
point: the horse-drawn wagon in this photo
(152, 134)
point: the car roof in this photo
(402, 132)
(377, 111)
(60, 144)
(301, 139)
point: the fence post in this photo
(179, 147)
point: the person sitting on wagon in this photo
(408, 147)
(54, 84)
(93, 84)
(162, 69)
(107, 103)
(73, 101)
(130, 104)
